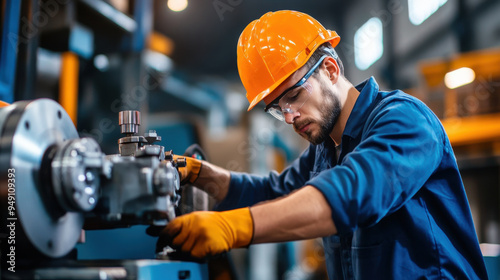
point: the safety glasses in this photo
(292, 99)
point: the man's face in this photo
(317, 117)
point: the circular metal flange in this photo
(75, 174)
(28, 132)
(132, 139)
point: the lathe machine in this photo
(54, 184)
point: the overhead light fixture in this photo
(177, 5)
(460, 77)
(368, 43)
(420, 10)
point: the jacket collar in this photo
(368, 92)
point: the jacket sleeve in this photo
(246, 189)
(401, 146)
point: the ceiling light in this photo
(177, 5)
(368, 43)
(459, 77)
(419, 11)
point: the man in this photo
(379, 181)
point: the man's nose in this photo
(290, 117)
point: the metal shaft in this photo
(129, 121)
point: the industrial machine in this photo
(54, 184)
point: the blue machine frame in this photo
(8, 50)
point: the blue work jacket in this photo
(395, 191)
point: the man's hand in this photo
(207, 233)
(191, 171)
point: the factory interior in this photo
(86, 78)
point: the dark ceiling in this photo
(206, 33)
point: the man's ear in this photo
(332, 69)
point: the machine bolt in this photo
(181, 162)
(89, 177)
(169, 155)
(150, 133)
(81, 178)
(152, 137)
(89, 190)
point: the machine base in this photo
(116, 269)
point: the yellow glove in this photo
(207, 233)
(190, 172)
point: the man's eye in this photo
(277, 108)
(294, 96)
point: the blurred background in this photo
(175, 61)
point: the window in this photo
(420, 10)
(368, 43)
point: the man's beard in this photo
(330, 111)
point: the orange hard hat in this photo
(272, 48)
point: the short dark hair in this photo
(324, 49)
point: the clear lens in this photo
(292, 101)
(275, 112)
